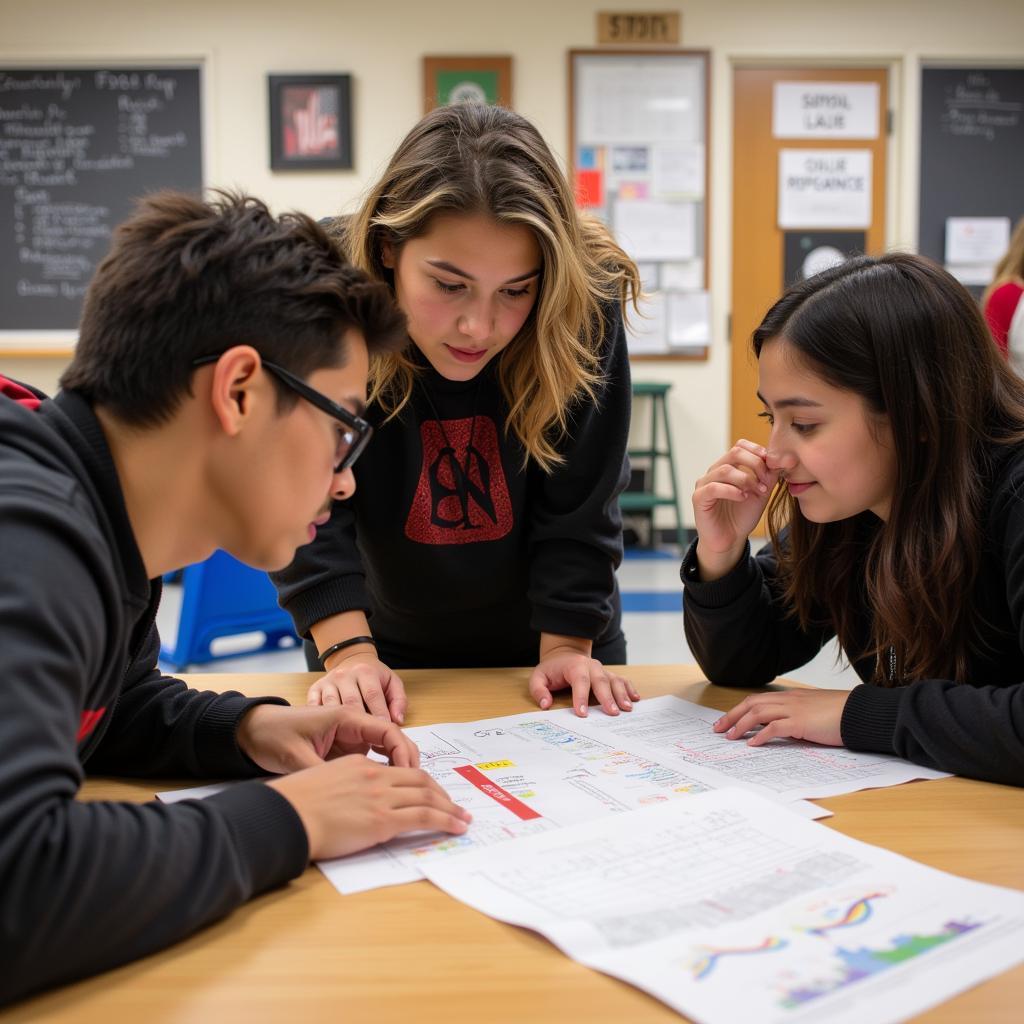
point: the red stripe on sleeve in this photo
(22, 395)
(90, 719)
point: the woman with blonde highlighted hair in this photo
(485, 530)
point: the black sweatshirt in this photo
(738, 629)
(85, 886)
(470, 575)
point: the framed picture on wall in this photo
(310, 122)
(466, 79)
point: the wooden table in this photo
(305, 954)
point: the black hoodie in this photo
(459, 552)
(742, 634)
(85, 886)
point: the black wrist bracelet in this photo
(342, 644)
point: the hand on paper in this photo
(352, 803)
(561, 668)
(346, 802)
(812, 715)
(286, 739)
(728, 501)
(362, 680)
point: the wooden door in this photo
(757, 240)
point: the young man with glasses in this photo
(213, 402)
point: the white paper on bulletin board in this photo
(649, 276)
(685, 276)
(689, 319)
(677, 171)
(647, 333)
(656, 231)
(640, 122)
(824, 188)
(638, 100)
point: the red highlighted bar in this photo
(495, 792)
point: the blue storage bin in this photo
(224, 597)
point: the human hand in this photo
(813, 715)
(286, 739)
(562, 668)
(359, 681)
(352, 803)
(728, 502)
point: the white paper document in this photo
(656, 230)
(678, 171)
(536, 772)
(689, 319)
(679, 734)
(649, 276)
(824, 188)
(540, 771)
(173, 796)
(729, 909)
(638, 100)
(825, 110)
(977, 240)
(647, 331)
(685, 276)
(980, 274)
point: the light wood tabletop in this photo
(411, 953)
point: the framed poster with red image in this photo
(310, 122)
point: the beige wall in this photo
(381, 45)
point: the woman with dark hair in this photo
(486, 527)
(894, 484)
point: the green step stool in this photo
(648, 500)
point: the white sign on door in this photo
(825, 110)
(824, 188)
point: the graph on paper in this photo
(728, 911)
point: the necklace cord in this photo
(462, 469)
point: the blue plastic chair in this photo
(223, 597)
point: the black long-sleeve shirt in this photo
(85, 886)
(739, 631)
(470, 575)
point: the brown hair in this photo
(910, 340)
(186, 278)
(471, 158)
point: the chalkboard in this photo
(77, 147)
(972, 149)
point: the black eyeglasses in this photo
(351, 441)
